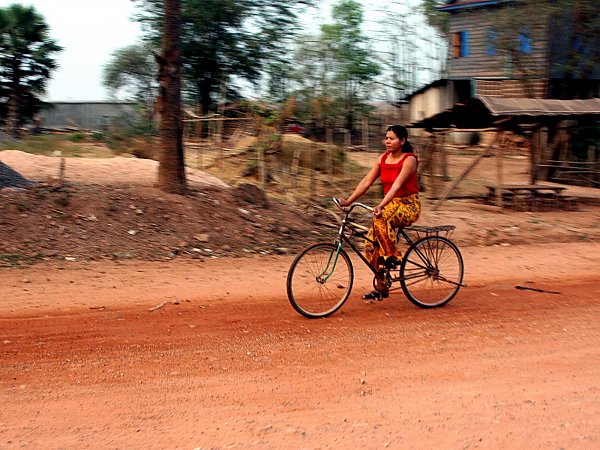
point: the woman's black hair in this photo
(402, 133)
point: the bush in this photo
(78, 136)
(124, 134)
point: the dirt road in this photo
(227, 363)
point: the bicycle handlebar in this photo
(354, 205)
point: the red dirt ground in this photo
(88, 361)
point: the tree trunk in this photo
(171, 170)
(12, 111)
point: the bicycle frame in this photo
(361, 232)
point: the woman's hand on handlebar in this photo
(341, 203)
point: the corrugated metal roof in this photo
(499, 106)
(485, 112)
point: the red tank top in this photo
(389, 173)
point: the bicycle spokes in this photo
(432, 272)
(320, 280)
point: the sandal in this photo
(376, 295)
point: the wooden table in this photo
(527, 194)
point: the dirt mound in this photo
(122, 171)
(85, 222)
(295, 149)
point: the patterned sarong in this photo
(399, 213)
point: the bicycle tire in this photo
(312, 294)
(431, 272)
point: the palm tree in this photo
(26, 62)
(171, 171)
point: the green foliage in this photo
(121, 133)
(332, 74)
(436, 19)
(78, 136)
(26, 63)
(224, 40)
(69, 145)
(133, 70)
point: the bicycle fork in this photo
(331, 263)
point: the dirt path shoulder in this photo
(61, 287)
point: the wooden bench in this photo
(529, 196)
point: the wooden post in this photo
(432, 166)
(61, 167)
(328, 156)
(535, 141)
(424, 163)
(294, 168)
(499, 176)
(199, 153)
(541, 156)
(591, 154)
(262, 166)
(444, 152)
(564, 146)
(365, 133)
(345, 152)
(313, 181)
(591, 159)
(220, 122)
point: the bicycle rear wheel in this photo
(320, 280)
(432, 271)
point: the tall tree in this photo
(171, 170)
(335, 70)
(225, 40)
(132, 69)
(26, 63)
(354, 65)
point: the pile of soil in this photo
(86, 222)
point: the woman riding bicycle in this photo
(400, 206)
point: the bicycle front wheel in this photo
(432, 271)
(320, 280)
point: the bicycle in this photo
(321, 276)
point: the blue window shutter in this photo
(464, 44)
(524, 42)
